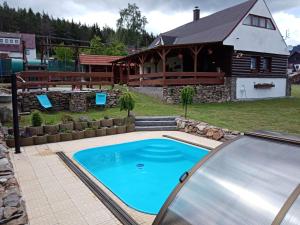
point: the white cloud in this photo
(290, 23)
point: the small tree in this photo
(63, 53)
(36, 119)
(187, 94)
(127, 102)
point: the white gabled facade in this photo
(256, 39)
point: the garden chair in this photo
(101, 99)
(44, 101)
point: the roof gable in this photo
(212, 28)
(257, 39)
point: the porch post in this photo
(121, 73)
(142, 62)
(128, 70)
(163, 55)
(195, 50)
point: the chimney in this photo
(196, 13)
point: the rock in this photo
(12, 200)
(201, 128)
(181, 125)
(84, 119)
(229, 136)
(210, 133)
(218, 135)
(235, 132)
(9, 211)
(1, 213)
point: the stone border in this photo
(12, 205)
(205, 130)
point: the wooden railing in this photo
(40, 79)
(176, 78)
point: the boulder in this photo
(9, 211)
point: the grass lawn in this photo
(277, 115)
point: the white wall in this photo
(32, 54)
(245, 88)
(255, 39)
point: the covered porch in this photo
(176, 65)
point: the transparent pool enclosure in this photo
(253, 180)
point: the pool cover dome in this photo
(253, 180)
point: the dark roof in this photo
(209, 29)
(97, 59)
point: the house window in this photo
(27, 52)
(6, 41)
(1, 40)
(266, 64)
(11, 41)
(254, 66)
(259, 21)
(17, 41)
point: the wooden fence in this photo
(40, 79)
(176, 79)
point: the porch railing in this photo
(176, 79)
(40, 79)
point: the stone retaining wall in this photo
(205, 130)
(204, 93)
(12, 206)
(66, 100)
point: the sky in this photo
(162, 15)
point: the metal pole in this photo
(15, 112)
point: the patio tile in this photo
(54, 195)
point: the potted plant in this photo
(26, 139)
(111, 130)
(36, 125)
(106, 122)
(82, 123)
(65, 135)
(40, 139)
(10, 141)
(89, 132)
(127, 102)
(53, 137)
(101, 131)
(121, 129)
(94, 124)
(78, 134)
(51, 128)
(186, 96)
(67, 122)
(118, 121)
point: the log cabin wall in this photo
(241, 65)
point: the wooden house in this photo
(234, 54)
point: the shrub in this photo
(187, 94)
(66, 118)
(36, 119)
(127, 102)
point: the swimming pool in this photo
(141, 173)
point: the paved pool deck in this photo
(55, 195)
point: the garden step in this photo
(156, 123)
(155, 128)
(155, 118)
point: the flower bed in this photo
(72, 130)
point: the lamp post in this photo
(14, 93)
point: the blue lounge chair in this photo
(44, 101)
(101, 99)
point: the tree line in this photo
(130, 30)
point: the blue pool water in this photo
(141, 173)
